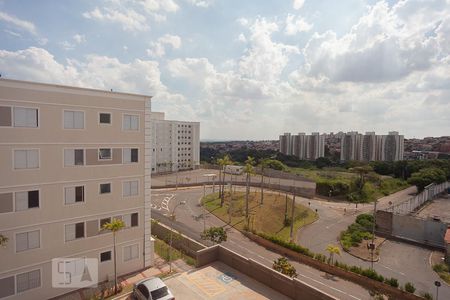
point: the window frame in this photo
(104, 159)
(13, 118)
(25, 149)
(74, 186)
(131, 156)
(138, 122)
(27, 191)
(22, 292)
(131, 259)
(75, 239)
(110, 118)
(28, 249)
(74, 160)
(100, 188)
(105, 261)
(64, 119)
(130, 181)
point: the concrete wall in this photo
(283, 284)
(428, 232)
(347, 275)
(384, 222)
(179, 241)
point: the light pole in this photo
(372, 246)
(172, 218)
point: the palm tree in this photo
(248, 169)
(3, 240)
(222, 163)
(114, 226)
(263, 163)
(332, 250)
(362, 172)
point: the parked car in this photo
(151, 289)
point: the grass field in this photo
(375, 187)
(162, 249)
(267, 218)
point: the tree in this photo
(427, 176)
(332, 250)
(362, 171)
(3, 240)
(249, 170)
(283, 266)
(322, 162)
(222, 163)
(214, 234)
(114, 226)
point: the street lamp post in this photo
(172, 218)
(372, 246)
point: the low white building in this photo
(175, 144)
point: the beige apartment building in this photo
(71, 159)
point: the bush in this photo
(289, 245)
(392, 282)
(372, 274)
(409, 287)
(427, 296)
(337, 187)
(320, 257)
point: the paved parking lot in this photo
(218, 281)
(437, 208)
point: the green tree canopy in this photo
(427, 176)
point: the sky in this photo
(247, 70)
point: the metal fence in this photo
(430, 192)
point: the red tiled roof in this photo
(447, 236)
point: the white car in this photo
(151, 289)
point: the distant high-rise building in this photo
(175, 144)
(371, 147)
(303, 146)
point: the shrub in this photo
(289, 245)
(409, 287)
(320, 257)
(427, 296)
(372, 274)
(392, 282)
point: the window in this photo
(7, 286)
(105, 188)
(73, 157)
(25, 117)
(28, 240)
(130, 155)
(130, 122)
(104, 118)
(73, 119)
(130, 252)
(104, 221)
(29, 280)
(74, 231)
(27, 200)
(104, 153)
(105, 256)
(26, 159)
(130, 188)
(131, 220)
(74, 194)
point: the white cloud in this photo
(297, 4)
(242, 38)
(132, 15)
(18, 23)
(243, 21)
(158, 48)
(79, 38)
(265, 59)
(130, 20)
(386, 44)
(201, 3)
(295, 25)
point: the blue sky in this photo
(247, 69)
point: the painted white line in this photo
(335, 289)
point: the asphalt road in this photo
(189, 220)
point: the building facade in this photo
(71, 160)
(372, 147)
(175, 144)
(305, 147)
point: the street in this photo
(399, 260)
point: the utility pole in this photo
(292, 218)
(285, 209)
(204, 209)
(372, 246)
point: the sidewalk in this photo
(160, 269)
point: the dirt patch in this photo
(363, 252)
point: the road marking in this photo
(337, 290)
(395, 271)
